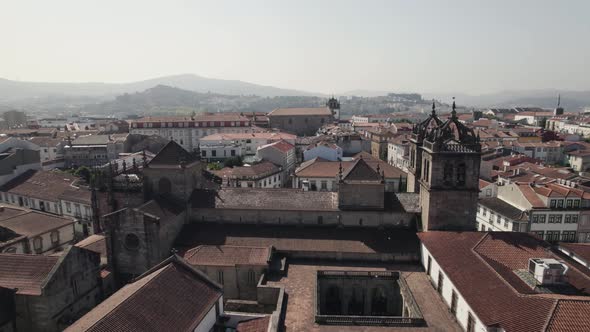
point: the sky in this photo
(470, 46)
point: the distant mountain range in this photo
(17, 90)
(547, 98)
(14, 92)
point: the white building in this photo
(222, 146)
(52, 192)
(325, 150)
(485, 278)
(398, 153)
(34, 232)
(552, 211)
(187, 131)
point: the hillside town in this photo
(297, 219)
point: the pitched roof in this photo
(579, 249)
(31, 223)
(296, 238)
(46, 185)
(482, 267)
(503, 208)
(172, 154)
(46, 141)
(170, 297)
(254, 325)
(483, 184)
(96, 243)
(92, 140)
(300, 111)
(281, 145)
(531, 196)
(286, 199)
(255, 171)
(26, 273)
(227, 255)
(361, 171)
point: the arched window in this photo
(461, 174)
(164, 186)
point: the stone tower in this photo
(334, 106)
(418, 133)
(173, 172)
(449, 176)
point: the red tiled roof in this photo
(254, 325)
(31, 223)
(172, 154)
(26, 273)
(481, 266)
(579, 249)
(170, 297)
(483, 184)
(96, 243)
(570, 315)
(228, 255)
(531, 196)
(282, 146)
(46, 185)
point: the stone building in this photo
(52, 291)
(171, 296)
(23, 231)
(301, 121)
(445, 162)
(237, 268)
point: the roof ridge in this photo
(551, 315)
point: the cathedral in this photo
(442, 195)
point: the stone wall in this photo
(301, 125)
(281, 217)
(365, 195)
(136, 242)
(73, 289)
(237, 284)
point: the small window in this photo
(68, 207)
(220, 276)
(54, 237)
(38, 244)
(320, 220)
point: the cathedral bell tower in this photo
(449, 176)
(334, 105)
(418, 133)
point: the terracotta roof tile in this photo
(481, 266)
(579, 249)
(170, 297)
(96, 243)
(254, 325)
(531, 196)
(31, 223)
(172, 154)
(26, 273)
(227, 255)
(47, 185)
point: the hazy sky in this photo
(325, 46)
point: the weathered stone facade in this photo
(72, 289)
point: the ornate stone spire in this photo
(454, 111)
(433, 108)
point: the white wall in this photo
(210, 319)
(463, 307)
(323, 152)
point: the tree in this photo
(83, 172)
(234, 161)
